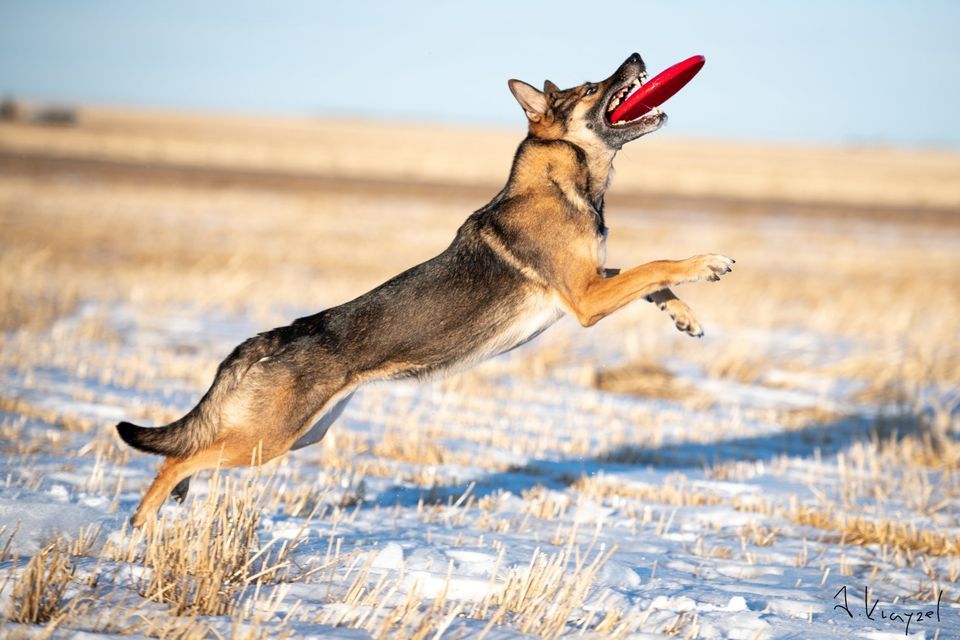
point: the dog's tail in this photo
(194, 431)
(201, 426)
(179, 439)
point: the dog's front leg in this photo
(592, 297)
(680, 312)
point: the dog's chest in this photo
(597, 236)
(601, 252)
(525, 324)
(531, 323)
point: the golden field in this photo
(838, 332)
(476, 158)
(260, 214)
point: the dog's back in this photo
(466, 304)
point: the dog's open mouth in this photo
(621, 96)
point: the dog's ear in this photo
(534, 103)
(549, 87)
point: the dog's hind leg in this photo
(172, 473)
(680, 312)
(260, 420)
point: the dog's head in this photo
(581, 115)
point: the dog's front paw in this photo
(683, 317)
(680, 313)
(711, 266)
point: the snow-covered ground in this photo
(670, 517)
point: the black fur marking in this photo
(180, 491)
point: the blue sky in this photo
(874, 72)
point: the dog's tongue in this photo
(658, 89)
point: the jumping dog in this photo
(532, 254)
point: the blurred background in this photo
(279, 148)
(177, 176)
(856, 72)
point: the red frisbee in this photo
(658, 89)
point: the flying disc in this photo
(658, 89)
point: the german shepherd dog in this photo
(516, 265)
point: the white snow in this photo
(390, 557)
(518, 444)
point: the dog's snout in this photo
(632, 63)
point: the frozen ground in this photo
(692, 512)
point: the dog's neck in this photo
(581, 174)
(599, 159)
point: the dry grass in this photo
(374, 605)
(410, 445)
(206, 561)
(66, 422)
(900, 536)
(931, 450)
(543, 598)
(544, 504)
(649, 380)
(757, 534)
(673, 492)
(37, 596)
(201, 560)
(921, 436)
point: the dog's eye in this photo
(590, 90)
